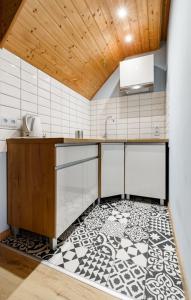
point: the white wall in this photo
(25, 89)
(179, 97)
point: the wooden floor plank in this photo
(24, 278)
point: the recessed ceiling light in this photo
(122, 12)
(136, 87)
(128, 38)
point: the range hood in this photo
(137, 74)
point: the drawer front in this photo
(69, 154)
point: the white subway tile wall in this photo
(135, 116)
(25, 89)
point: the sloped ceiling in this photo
(80, 42)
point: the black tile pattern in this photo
(127, 246)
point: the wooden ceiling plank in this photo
(42, 48)
(165, 18)
(9, 13)
(42, 38)
(111, 26)
(134, 25)
(96, 12)
(107, 59)
(121, 25)
(58, 39)
(75, 36)
(71, 12)
(154, 13)
(108, 16)
(142, 13)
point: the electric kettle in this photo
(32, 126)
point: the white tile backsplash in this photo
(136, 115)
(25, 89)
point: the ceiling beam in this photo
(9, 12)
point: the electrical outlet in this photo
(12, 122)
(156, 131)
(6, 122)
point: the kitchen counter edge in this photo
(61, 140)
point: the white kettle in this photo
(32, 126)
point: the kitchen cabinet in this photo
(145, 170)
(137, 71)
(50, 185)
(112, 169)
(77, 189)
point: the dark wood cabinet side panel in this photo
(31, 187)
(17, 187)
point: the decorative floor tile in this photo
(164, 261)
(113, 229)
(127, 246)
(107, 244)
(84, 237)
(136, 234)
(157, 238)
(119, 217)
(137, 252)
(102, 213)
(160, 223)
(128, 279)
(68, 256)
(161, 286)
(93, 223)
(95, 266)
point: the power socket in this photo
(156, 131)
(12, 123)
(6, 122)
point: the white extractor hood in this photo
(137, 74)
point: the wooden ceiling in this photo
(81, 42)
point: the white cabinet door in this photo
(90, 171)
(112, 169)
(69, 196)
(145, 169)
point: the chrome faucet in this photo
(106, 122)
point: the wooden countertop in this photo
(63, 140)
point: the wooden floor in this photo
(23, 278)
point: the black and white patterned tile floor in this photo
(126, 246)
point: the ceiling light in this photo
(128, 38)
(136, 87)
(122, 12)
